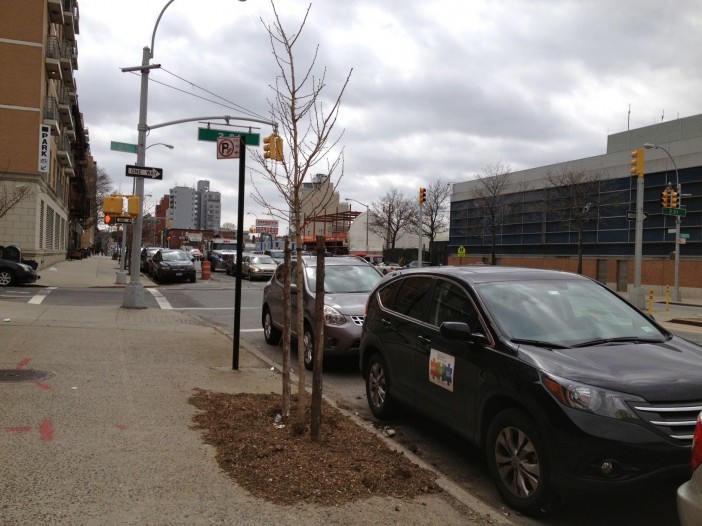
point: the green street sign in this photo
(211, 135)
(674, 212)
(123, 147)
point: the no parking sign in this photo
(228, 147)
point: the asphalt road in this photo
(213, 300)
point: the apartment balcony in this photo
(52, 58)
(52, 115)
(69, 59)
(70, 19)
(65, 107)
(64, 155)
(56, 11)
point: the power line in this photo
(253, 114)
(230, 105)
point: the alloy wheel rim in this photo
(517, 462)
(376, 380)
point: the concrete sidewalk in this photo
(100, 433)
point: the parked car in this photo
(146, 254)
(347, 283)
(566, 386)
(690, 493)
(172, 265)
(257, 266)
(194, 253)
(15, 273)
(388, 266)
(230, 266)
(218, 259)
(277, 255)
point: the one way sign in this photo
(144, 171)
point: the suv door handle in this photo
(385, 322)
(424, 339)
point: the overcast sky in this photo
(440, 88)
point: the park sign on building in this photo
(44, 148)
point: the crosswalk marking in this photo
(38, 298)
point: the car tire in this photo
(7, 278)
(193, 279)
(378, 388)
(270, 332)
(518, 461)
(308, 344)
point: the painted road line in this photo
(160, 299)
(38, 298)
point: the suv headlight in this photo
(333, 316)
(591, 399)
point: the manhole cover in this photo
(23, 375)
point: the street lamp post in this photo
(367, 219)
(676, 284)
(134, 291)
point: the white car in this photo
(690, 493)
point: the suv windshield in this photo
(345, 278)
(567, 313)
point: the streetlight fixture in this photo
(367, 219)
(676, 284)
(169, 146)
(134, 291)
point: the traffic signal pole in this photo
(637, 168)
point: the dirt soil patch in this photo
(274, 462)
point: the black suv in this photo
(565, 385)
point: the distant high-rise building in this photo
(210, 206)
(195, 209)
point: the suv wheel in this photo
(6, 278)
(308, 340)
(518, 463)
(270, 332)
(377, 387)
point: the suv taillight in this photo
(697, 444)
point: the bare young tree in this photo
(489, 198)
(12, 193)
(392, 214)
(574, 199)
(307, 122)
(435, 214)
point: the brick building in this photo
(44, 146)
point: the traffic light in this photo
(422, 196)
(637, 162)
(278, 148)
(112, 204)
(109, 219)
(673, 201)
(665, 203)
(133, 205)
(270, 147)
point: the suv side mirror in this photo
(293, 288)
(457, 330)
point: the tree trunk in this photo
(316, 409)
(286, 333)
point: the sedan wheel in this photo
(270, 332)
(518, 462)
(377, 384)
(308, 340)
(6, 278)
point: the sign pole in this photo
(239, 252)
